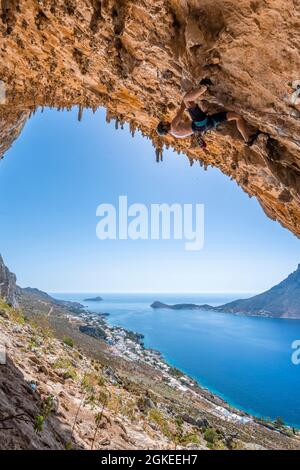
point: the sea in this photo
(245, 360)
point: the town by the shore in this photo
(130, 346)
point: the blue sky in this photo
(59, 171)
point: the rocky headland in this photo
(281, 301)
(159, 305)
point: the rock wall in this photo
(7, 284)
(137, 57)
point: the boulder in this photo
(198, 421)
(4, 314)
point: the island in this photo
(157, 305)
(93, 299)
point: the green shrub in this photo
(16, 315)
(62, 363)
(211, 435)
(70, 373)
(48, 403)
(101, 380)
(38, 423)
(175, 372)
(160, 420)
(32, 343)
(279, 423)
(190, 438)
(68, 341)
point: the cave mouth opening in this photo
(64, 169)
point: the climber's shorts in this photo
(196, 113)
(218, 118)
(207, 122)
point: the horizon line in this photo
(151, 292)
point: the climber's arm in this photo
(178, 118)
(180, 128)
(191, 96)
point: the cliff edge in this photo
(8, 286)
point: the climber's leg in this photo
(240, 124)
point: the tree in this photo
(279, 423)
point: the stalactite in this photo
(80, 112)
(132, 129)
(108, 116)
(158, 152)
(32, 110)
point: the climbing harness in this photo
(201, 125)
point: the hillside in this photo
(282, 300)
(61, 388)
(45, 383)
(137, 58)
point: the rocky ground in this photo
(61, 389)
(54, 397)
(138, 58)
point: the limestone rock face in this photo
(136, 57)
(7, 284)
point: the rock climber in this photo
(200, 122)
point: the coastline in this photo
(57, 345)
(129, 345)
